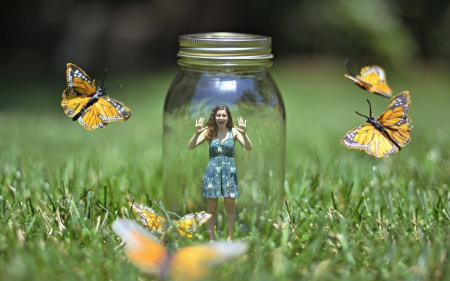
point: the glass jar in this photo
(231, 69)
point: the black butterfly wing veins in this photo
(372, 78)
(111, 110)
(358, 137)
(150, 218)
(188, 224)
(89, 118)
(78, 82)
(90, 105)
(375, 77)
(70, 103)
(381, 145)
(385, 135)
(103, 111)
(367, 137)
(80, 88)
(395, 119)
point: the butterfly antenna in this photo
(361, 114)
(113, 87)
(349, 67)
(104, 75)
(370, 107)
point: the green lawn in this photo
(350, 216)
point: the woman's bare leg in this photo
(230, 207)
(211, 208)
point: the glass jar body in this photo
(249, 91)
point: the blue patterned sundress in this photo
(220, 177)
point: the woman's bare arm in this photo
(241, 134)
(199, 136)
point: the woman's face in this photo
(221, 119)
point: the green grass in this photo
(348, 215)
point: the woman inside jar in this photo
(220, 177)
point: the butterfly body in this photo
(376, 124)
(88, 104)
(372, 79)
(385, 135)
(188, 263)
(379, 126)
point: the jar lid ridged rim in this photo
(225, 45)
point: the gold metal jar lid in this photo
(225, 45)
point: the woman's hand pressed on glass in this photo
(199, 125)
(242, 128)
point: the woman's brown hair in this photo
(212, 125)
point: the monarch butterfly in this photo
(185, 226)
(372, 79)
(89, 104)
(385, 135)
(188, 263)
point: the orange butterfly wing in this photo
(396, 123)
(188, 224)
(185, 226)
(395, 119)
(80, 88)
(366, 137)
(78, 82)
(381, 146)
(188, 263)
(149, 217)
(141, 247)
(359, 137)
(100, 111)
(372, 79)
(111, 110)
(195, 262)
(72, 103)
(90, 119)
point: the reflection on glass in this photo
(253, 96)
(247, 88)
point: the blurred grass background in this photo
(349, 216)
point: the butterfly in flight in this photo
(156, 223)
(372, 79)
(385, 135)
(89, 104)
(188, 263)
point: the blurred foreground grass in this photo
(349, 216)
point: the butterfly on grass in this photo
(385, 135)
(372, 79)
(89, 104)
(156, 223)
(188, 263)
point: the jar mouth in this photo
(225, 45)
